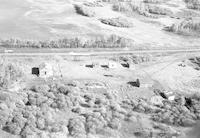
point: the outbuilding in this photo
(36, 71)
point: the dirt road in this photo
(77, 52)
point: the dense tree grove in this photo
(83, 10)
(112, 41)
(188, 26)
(193, 4)
(9, 73)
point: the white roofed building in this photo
(45, 70)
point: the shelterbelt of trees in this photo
(113, 41)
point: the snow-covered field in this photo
(42, 19)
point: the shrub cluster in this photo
(133, 7)
(142, 8)
(153, 1)
(128, 7)
(118, 22)
(159, 10)
(114, 1)
(187, 14)
(9, 73)
(186, 27)
(93, 4)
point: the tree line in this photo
(112, 41)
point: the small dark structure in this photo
(36, 71)
(89, 66)
(163, 95)
(126, 65)
(108, 75)
(138, 82)
(188, 102)
(104, 66)
(135, 83)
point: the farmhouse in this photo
(44, 70)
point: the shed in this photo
(36, 71)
